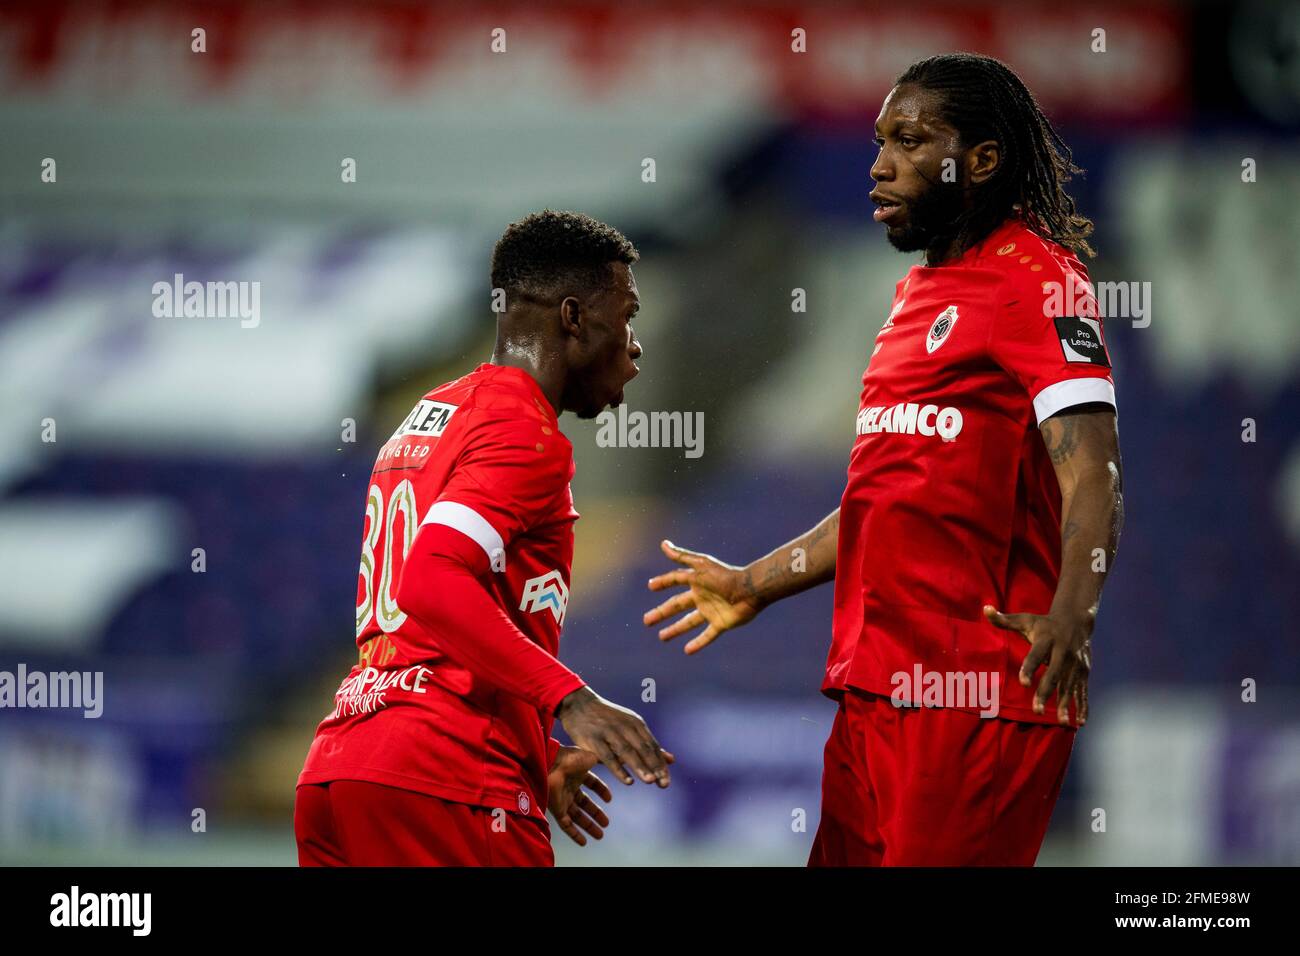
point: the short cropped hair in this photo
(552, 253)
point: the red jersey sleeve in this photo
(442, 587)
(510, 476)
(1048, 336)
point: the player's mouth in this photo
(886, 208)
(618, 399)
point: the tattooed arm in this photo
(1083, 443)
(797, 565)
(723, 596)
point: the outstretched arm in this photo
(722, 596)
(800, 564)
(1083, 443)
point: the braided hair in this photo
(983, 99)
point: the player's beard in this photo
(931, 216)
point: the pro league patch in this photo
(1081, 340)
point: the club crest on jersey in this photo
(940, 329)
(547, 592)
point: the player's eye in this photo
(909, 141)
(879, 141)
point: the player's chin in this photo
(594, 405)
(906, 239)
(594, 409)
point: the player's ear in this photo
(571, 316)
(982, 161)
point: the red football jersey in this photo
(484, 457)
(952, 501)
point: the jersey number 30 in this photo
(377, 595)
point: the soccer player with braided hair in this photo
(984, 498)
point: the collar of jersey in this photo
(980, 249)
(528, 381)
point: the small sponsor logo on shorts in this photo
(525, 804)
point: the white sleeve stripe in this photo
(1072, 391)
(468, 522)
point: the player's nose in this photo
(882, 170)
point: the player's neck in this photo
(942, 250)
(946, 249)
(544, 373)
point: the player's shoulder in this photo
(1033, 266)
(503, 406)
(495, 392)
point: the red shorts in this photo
(906, 786)
(354, 823)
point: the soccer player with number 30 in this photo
(437, 751)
